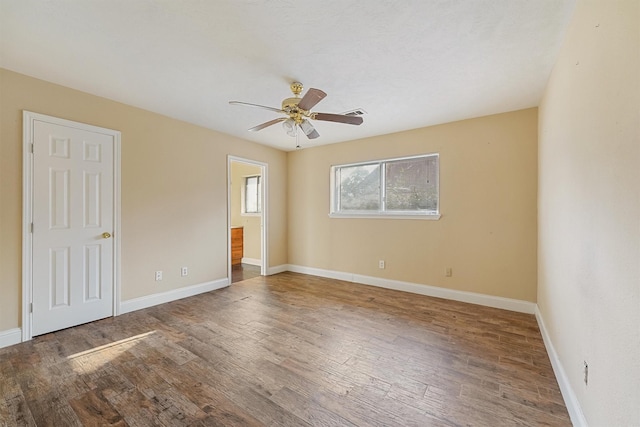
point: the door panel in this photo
(72, 207)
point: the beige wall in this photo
(173, 190)
(589, 203)
(487, 232)
(251, 223)
(585, 258)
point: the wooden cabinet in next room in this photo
(236, 245)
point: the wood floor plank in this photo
(213, 403)
(94, 410)
(136, 409)
(309, 411)
(50, 410)
(288, 350)
(15, 411)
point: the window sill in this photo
(432, 217)
(251, 214)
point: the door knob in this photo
(106, 235)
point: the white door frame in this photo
(28, 119)
(264, 180)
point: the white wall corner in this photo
(569, 396)
(277, 269)
(172, 295)
(10, 337)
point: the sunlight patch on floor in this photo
(90, 360)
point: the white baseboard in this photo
(10, 337)
(329, 274)
(569, 396)
(432, 291)
(251, 261)
(173, 295)
(277, 269)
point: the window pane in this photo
(412, 184)
(258, 195)
(252, 194)
(359, 188)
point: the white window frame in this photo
(243, 195)
(382, 213)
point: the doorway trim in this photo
(264, 217)
(28, 120)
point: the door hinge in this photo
(30, 307)
(31, 228)
(31, 147)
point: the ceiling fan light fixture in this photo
(306, 127)
(290, 127)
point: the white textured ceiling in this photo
(407, 63)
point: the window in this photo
(395, 187)
(251, 199)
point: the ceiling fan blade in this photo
(267, 124)
(311, 98)
(338, 118)
(277, 110)
(309, 130)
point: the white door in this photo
(73, 250)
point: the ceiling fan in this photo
(297, 111)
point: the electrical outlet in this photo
(184, 271)
(381, 264)
(449, 272)
(586, 373)
(158, 275)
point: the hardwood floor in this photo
(242, 272)
(288, 350)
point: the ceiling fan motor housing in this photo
(290, 103)
(290, 106)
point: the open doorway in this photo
(247, 202)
